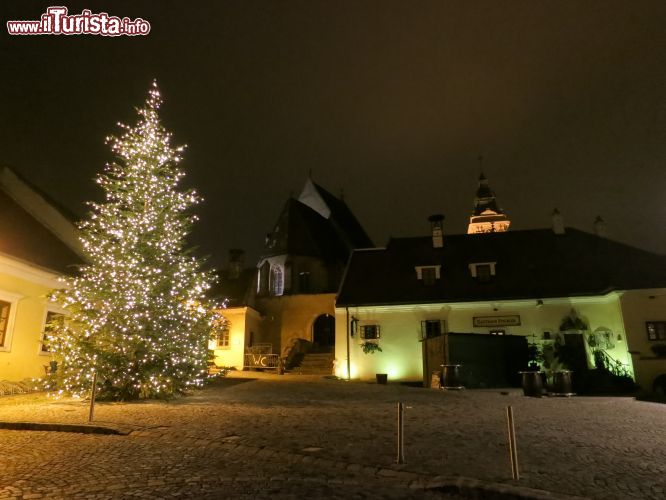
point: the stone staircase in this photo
(315, 363)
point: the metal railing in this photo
(606, 362)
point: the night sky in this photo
(391, 101)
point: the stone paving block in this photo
(265, 453)
(418, 484)
(354, 467)
(406, 476)
(387, 473)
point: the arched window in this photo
(277, 281)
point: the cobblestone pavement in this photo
(263, 436)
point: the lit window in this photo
(656, 330)
(432, 328)
(370, 332)
(277, 282)
(52, 318)
(223, 338)
(5, 307)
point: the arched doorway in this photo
(323, 333)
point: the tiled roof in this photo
(530, 264)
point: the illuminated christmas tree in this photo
(137, 311)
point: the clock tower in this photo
(487, 216)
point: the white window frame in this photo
(13, 299)
(49, 309)
(361, 332)
(226, 328)
(276, 286)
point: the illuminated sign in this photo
(493, 321)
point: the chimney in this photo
(558, 222)
(235, 263)
(600, 227)
(437, 229)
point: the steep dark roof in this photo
(344, 220)
(25, 238)
(302, 231)
(236, 290)
(530, 264)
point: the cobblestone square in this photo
(255, 435)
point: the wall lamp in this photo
(353, 326)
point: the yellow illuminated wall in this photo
(401, 356)
(244, 323)
(26, 288)
(291, 317)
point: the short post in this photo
(401, 433)
(92, 397)
(513, 451)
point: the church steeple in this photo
(487, 216)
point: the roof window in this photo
(428, 274)
(482, 271)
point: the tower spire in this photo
(487, 216)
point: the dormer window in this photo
(482, 271)
(428, 274)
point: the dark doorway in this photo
(487, 360)
(323, 333)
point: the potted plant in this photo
(370, 347)
(532, 380)
(534, 357)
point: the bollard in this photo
(513, 451)
(92, 397)
(401, 434)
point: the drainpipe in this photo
(348, 360)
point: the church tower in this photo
(487, 216)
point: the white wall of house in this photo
(639, 307)
(243, 322)
(400, 326)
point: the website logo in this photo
(57, 21)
